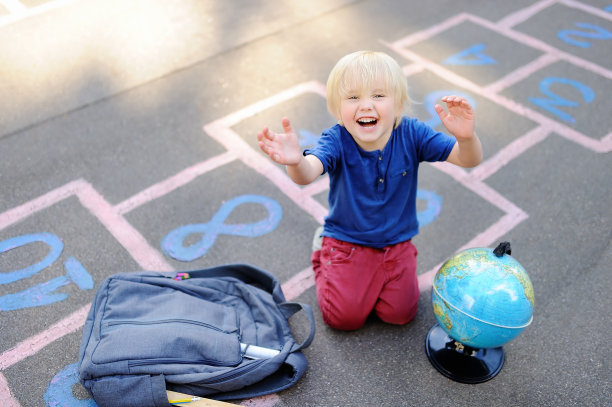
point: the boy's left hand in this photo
(459, 120)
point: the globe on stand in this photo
(482, 298)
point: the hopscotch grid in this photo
(112, 219)
(304, 279)
(89, 198)
(535, 43)
(504, 30)
(132, 241)
(602, 145)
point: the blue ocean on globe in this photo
(482, 300)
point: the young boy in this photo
(367, 262)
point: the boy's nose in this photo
(365, 104)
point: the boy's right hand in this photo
(282, 148)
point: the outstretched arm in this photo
(459, 121)
(284, 148)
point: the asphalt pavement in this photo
(123, 121)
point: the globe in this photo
(482, 297)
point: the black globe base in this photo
(459, 362)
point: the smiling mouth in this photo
(367, 122)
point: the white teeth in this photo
(368, 120)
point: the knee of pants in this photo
(399, 317)
(345, 321)
(338, 314)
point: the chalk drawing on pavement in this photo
(173, 243)
(473, 55)
(43, 293)
(146, 256)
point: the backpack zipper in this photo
(233, 373)
(169, 321)
(147, 362)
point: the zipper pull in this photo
(181, 276)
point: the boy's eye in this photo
(352, 97)
(377, 96)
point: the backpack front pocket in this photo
(167, 342)
(186, 329)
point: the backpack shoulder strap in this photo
(290, 308)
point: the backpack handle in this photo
(248, 274)
(290, 308)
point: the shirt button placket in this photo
(381, 180)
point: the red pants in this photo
(353, 280)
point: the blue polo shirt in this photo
(372, 194)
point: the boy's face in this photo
(368, 113)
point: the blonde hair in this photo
(365, 67)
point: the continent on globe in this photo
(482, 300)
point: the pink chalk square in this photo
(68, 253)
(586, 32)
(474, 52)
(574, 97)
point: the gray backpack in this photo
(221, 332)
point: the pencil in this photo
(189, 400)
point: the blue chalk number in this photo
(594, 32)
(554, 102)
